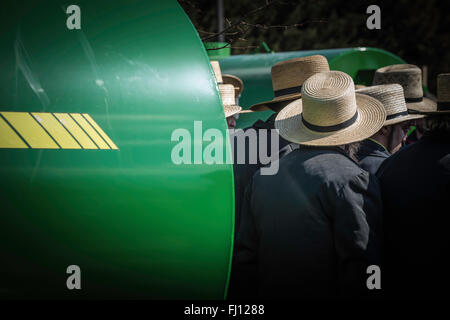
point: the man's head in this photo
(391, 136)
(229, 93)
(398, 120)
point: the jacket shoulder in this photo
(322, 167)
(418, 153)
(334, 165)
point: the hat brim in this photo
(371, 117)
(435, 113)
(426, 105)
(272, 104)
(247, 111)
(403, 119)
(231, 110)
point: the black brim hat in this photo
(287, 80)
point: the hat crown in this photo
(227, 94)
(235, 81)
(390, 95)
(407, 75)
(294, 72)
(443, 87)
(217, 72)
(328, 99)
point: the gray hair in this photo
(351, 149)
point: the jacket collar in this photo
(370, 147)
(375, 144)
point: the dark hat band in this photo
(336, 127)
(443, 105)
(286, 91)
(396, 115)
(410, 100)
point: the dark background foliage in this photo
(417, 31)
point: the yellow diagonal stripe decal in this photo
(8, 138)
(56, 130)
(99, 130)
(75, 130)
(30, 130)
(90, 131)
(45, 130)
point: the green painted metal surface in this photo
(136, 224)
(217, 50)
(254, 70)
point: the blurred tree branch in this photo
(240, 27)
(417, 31)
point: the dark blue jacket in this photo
(244, 172)
(415, 184)
(371, 155)
(309, 231)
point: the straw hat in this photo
(229, 80)
(228, 100)
(410, 78)
(332, 113)
(288, 77)
(359, 86)
(217, 72)
(443, 95)
(393, 100)
(235, 81)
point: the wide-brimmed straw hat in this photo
(410, 78)
(228, 80)
(287, 80)
(443, 95)
(229, 100)
(235, 81)
(330, 113)
(393, 100)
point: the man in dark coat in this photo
(287, 78)
(311, 230)
(415, 184)
(244, 169)
(388, 140)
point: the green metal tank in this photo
(87, 178)
(254, 70)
